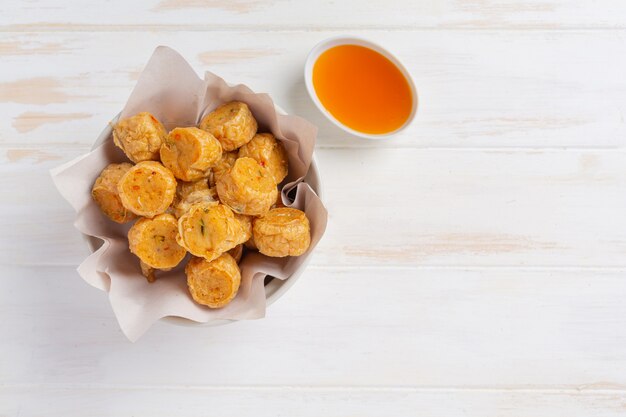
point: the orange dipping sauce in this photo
(362, 89)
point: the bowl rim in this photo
(274, 289)
(333, 41)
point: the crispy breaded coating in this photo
(236, 252)
(106, 195)
(223, 166)
(213, 283)
(232, 124)
(269, 153)
(282, 232)
(190, 152)
(147, 271)
(140, 137)
(183, 206)
(248, 188)
(154, 242)
(209, 229)
(147, 189)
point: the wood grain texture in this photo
(473, 265)
(44, 15)
(476, 89)
(29, 121)
(306, 402)
(403, 207)
(336, 327)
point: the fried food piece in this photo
(270, 153)
(213, 283)
(250, 243)
(188, 193)
(147, 189)
(147, 271)
(236, 252)
(106, 196)
(282, 232)
(209, 229)
(246, 225)
(223, 166)
(231, 123)
(184, 188)
(279, 201)
(209, 195)
(190, 153)
(140, 137)
(248, 188)
(154, 242)
(213, 193)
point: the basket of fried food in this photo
(200, 201)
(209, 191)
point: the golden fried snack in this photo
(209, 229)
(184, 188)
(279, 201)
(270, 153)
(140, 137)
(236, 252)
(147, 189)
(231, 123)
(213, 193)
(190, 153)
(209, 195)
(282, 232)
(147, 271)
(223, 166)
(246, 225)
(250, 243)
(188, 193)
(106, 196)
(154, 242)
(248, 188)
(213, 283)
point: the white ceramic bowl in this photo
(322, 47)
(274, 289)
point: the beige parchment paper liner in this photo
(170, 89)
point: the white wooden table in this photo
(473, 266)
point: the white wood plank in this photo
(369, 327)
(289, 401)
(477, 88)
(394, 208)
(503, 269)
(294, 14)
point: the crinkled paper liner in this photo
(170, 89)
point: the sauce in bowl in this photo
(362, 89)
